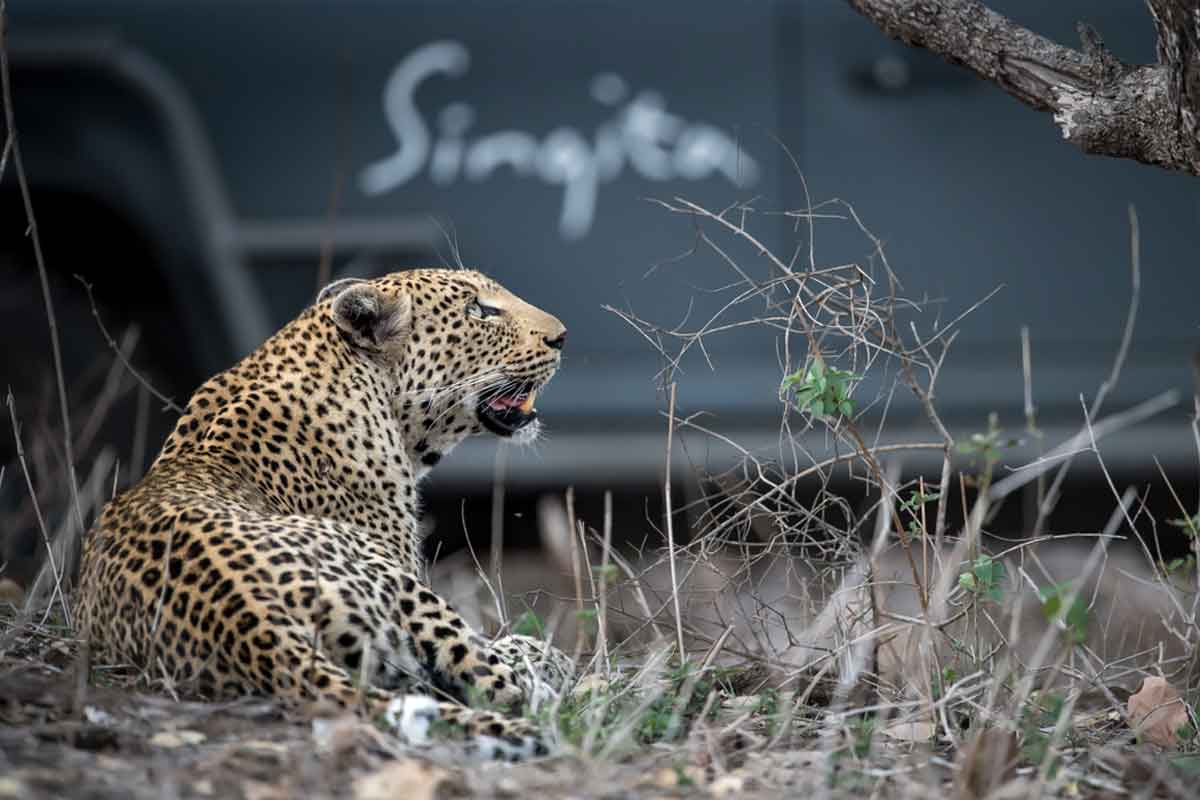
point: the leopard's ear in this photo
(370, 318)
(331, 289)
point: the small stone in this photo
(410, 779)
(97, 716)
(11, 787)
(729, 785)
(262, 746)
(594, 683)
(10, 593)
(173, 739)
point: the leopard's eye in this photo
(480, 311)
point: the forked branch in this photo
(1149, 113)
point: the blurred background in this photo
(207, 166)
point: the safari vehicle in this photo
(206, 165)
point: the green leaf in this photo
(1074, 618)
(529, 624)
(847, 408)
(995, 592)
(1077, 620)
(967, 581)
(818, 408)
(1051, 596)
(1191, 525)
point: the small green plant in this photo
(1038, 722)
(589, 620)
(820, 390)
(604, 712)
(667, 719)
(607, 573)
(1190, 526)
(913, 504)
(529, 624)
(682, 778)
(1074, 616)
(987, 446)
(1191, 529)
(984, 578)
(864, 732)
(1189, 737)
(767, 708)
(844, 770)
(1178, 566)
(941, 680)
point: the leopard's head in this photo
(467, 355)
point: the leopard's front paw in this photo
(497, 683)
(542, 669)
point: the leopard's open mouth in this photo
(505, 414)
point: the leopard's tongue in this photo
(522, 402)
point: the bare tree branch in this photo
(1104, 106)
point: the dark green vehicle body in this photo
(234, 145)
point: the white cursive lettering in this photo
(656, 144)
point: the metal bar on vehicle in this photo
(409, 232)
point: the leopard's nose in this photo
(557, 342)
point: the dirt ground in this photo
(62, 736)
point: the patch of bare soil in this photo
(102, 735)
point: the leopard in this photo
(274, 545)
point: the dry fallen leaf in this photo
(410, 779)
(1157, 712)
(988, 762)
(917, 731)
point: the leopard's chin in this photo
(506, 423)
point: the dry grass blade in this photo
(120, 353)
(59, 595)
(670, 524)
(13, 147)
